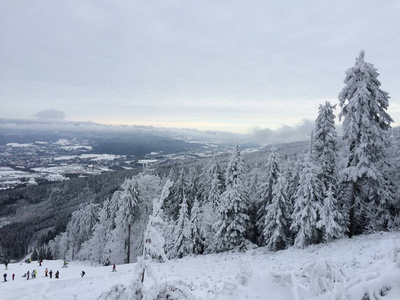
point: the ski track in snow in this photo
(250, 275)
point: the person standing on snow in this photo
(83, 274)
(51, 274)
(114, 269)
(27, 275)
(45, 272)
(13, 276)
(5, 277)
(57, 274)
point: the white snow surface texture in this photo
(364, 267)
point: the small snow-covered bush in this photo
(116, 292)
(175, 291)
(316, 278)
(323, 276)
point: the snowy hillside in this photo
(342, 269)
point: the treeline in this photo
(339, 187)
(37, 214)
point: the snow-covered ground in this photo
(343, 269)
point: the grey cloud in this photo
(96, 55)
(298, 132)
(50, 114)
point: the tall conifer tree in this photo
(365, 135)
(233, 218)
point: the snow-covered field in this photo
(343, 269)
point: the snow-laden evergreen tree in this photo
(93, 249)
(128, 200)
(232, 223)
(197, 233)
(365, 136)
(178, 193)
(271, 171)
(254, 192)
(307, 206)
(153, 240)
(79, 228)
(292, 175)
(215, 186)
(192, 190)
(325, 145)
(153, 248)
(212, 190)
(3, 255)
(168, 234)
(110, 208)
(182, 241)
(330, 217)
(277, 219)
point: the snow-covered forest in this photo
(340, 187)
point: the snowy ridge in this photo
(343, 269)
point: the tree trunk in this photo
(352, 204)
(129, 244)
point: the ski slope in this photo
(366, 264)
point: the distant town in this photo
(42, 162)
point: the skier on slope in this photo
(5, 277)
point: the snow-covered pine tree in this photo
(365, 135)
(307, 206)
(254, 192)
(93, 249)
(192, 190)
(153, 247)
(215, 186)
(178, 193)
(3, 255)
(271, 171)
(292, 175)
(79, 228)
(330, 217)
(128, 209)
(325, 145)
(168, 234)
(231, 226)
(153, 240)
(110, 209)
(211, 194)
(277, 218)
(197, 234)
(182, 242)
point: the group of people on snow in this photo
(47, 273)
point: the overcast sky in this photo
(241, 66)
